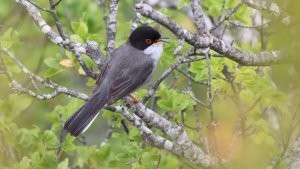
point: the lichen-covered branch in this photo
(112, 26)
(182, 143)
(218, 45)
(198, 17)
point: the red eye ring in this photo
(148, 41)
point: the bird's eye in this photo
(148, 41)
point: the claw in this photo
(134, 99)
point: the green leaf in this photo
(8, 38)
(50, 139)
(64, 164)
(49, 160)
(25, 163)
(181, 4)
(134, 134)
(170, 100)
(12, 67)
(76, 38)
(51, 72)
(68, 145)
(91, 82)
(52, 62)
(103, 152)
(81, 29)
(14, 105)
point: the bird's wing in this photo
(129, 81)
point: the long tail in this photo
(84, 116)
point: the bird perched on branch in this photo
(129, 67)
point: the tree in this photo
(216, 101)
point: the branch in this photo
(47, 83)
(198, 17)
(295, 161)
(183, 144)
(263, 5)
(111, 26)
(242, 57)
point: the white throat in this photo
(154, 51)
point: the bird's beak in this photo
(163, 39)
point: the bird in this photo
(129, 67)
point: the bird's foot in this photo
(134, 99)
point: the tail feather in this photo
(85, 115)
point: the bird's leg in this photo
(134, 99)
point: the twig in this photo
(158, 162)
(108, 136)
(125, 127)
(47, 83)
(226, 17)
(222, 10)
(253, 106)
(270, 7)
(190, 93)
(237, 24)
(57, 3)
(209, 90)
(39, 7)
(179, 47)
(55, 17)
(190, 77)
(87, 70)
(60, 136)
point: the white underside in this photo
(155, 51)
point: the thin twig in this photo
(47, 83)
(60, 135)
(55, 17)
(39, 7)
(195, 99)
(57, 3)
(222, 10)
(190, 77)
(237, 24)
(226, 17)
(108, 136)
(209, 90)
(87, 70)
